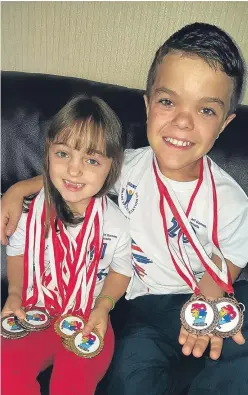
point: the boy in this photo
(193, 87)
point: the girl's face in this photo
(77, 176)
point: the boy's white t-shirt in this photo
(153, 269)
(116, 253)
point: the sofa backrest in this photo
(29, 101)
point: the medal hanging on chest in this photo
(65, 287)
(81, 263)
(199, 316)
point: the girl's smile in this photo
(72, 186)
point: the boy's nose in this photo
(183, 120)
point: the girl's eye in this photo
(166, 102)
(62, 154)
(208, 111)
(92, 161)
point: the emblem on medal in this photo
(69, 327)
(36, 319)
(231, 317)
(199, 316)
(68, 324)
(86, 346)
(10, 329)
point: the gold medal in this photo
(65, 343)
(36, 319)
(86, 346)
(10, 329)
(199, 316)
(68, 324)
(231, 317)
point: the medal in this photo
(36, 320)
(10, 329)
(199, 316)
(86, 346)
(65, 343)
(230, 317)
(67, 325)
(66, 285)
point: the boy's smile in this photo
(186, 112)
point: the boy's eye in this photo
(62, 154)
(207, 111)
(166, 102)
(92, 161)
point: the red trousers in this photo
(23, 359)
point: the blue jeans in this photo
(148, 359)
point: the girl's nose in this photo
(75, 168)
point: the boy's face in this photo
(187, 110)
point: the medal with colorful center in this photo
(10, 329)
(199, 316)
(86, 346)
(67, 325)
(36, 319)
(230, 318)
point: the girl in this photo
(71, 239)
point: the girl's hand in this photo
(13, 306)
(198, 344)
(98, 319)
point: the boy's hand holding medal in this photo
(197, 345)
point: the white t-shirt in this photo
(116, 251)
(153, 269)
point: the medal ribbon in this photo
(69, 281)
(178, 255)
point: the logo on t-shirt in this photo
(175, 230)
(139, 259)
(129, 197)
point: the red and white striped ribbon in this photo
(67, 283)
(170, 204)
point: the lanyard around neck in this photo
(180, 261)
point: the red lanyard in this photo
(68, 262)
(188, 275)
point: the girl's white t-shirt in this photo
(153, 269)
(116, 253)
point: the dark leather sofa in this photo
(29, 101)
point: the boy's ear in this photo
(227, 121)
(146, 104)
